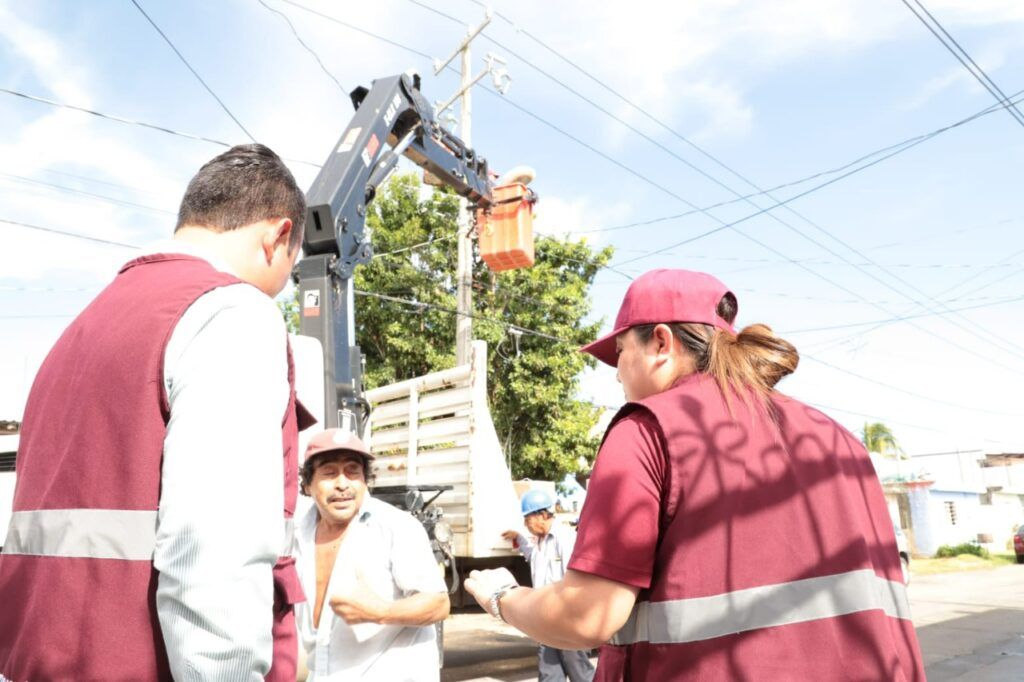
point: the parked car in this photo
(1018, 543)
(904, 549)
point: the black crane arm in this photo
(392, 111)
(392, 119)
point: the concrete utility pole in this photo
(464, 274)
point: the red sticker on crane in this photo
(371, 149)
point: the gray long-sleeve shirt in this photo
(220, 526)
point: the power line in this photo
(979, 274)
(310, 50)
(740, 197)
(194, 72)
(420, 305)
(886, 322)
(36, 317)
(118, 119)
(733, 224)
(902, 317)
(357, 29)
(47, 290)
(890, 150)
(93, 195)
(414, 247)
(823, 299)
(430, 306)
(821, 261)
(74, 235)
(128, 121)
(905, 391)
(632, 104)
(416, 304)
(998, 223)
(97, 181)
(876, 417)
(965, 59)
(1008, 347)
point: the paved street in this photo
(971, 628)
(971, 624)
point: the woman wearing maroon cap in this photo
(729, 532)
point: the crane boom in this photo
(392, 119)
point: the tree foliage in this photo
(532, 379)
(877, 437)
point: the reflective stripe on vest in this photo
(83, 533)
(691, 620)
(93, 534)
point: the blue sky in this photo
(776, 91)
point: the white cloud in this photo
(692, 63)
(990, 59)
(570, 217)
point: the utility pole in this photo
(464, 274)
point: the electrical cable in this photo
(907, 392)
(731, 225)
(883, 323)
(420, 305)
(357, 29)
(432, 240)
(308, 48)
(128, 121)
(430, 306)
(961, 55)
(891, 150)
(1007, 346)
(406, 302)
(70, 234)
(92, 195)
(194, 72)
(385, 297)
(875, 417)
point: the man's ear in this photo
(278, 233)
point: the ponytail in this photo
(752, 361)
(748, 364)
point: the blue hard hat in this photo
(536, 500)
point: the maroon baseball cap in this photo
(336, 440)
(664, 296)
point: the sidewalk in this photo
(479, 648)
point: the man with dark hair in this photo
(125, 559)
(375, 588)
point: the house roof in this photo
(1004, 459)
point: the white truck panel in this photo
(437, 429)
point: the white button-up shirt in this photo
(390, 550)
(547, 556)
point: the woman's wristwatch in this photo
(496, 599)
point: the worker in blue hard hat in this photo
(547, 548)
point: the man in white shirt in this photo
(374, 587)
(548, 549)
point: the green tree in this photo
(877, 437)
(532, 379)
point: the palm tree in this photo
(877, 437)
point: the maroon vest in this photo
(92, 443)
(776, 557)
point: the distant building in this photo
(950, 498)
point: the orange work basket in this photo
(506, 231)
